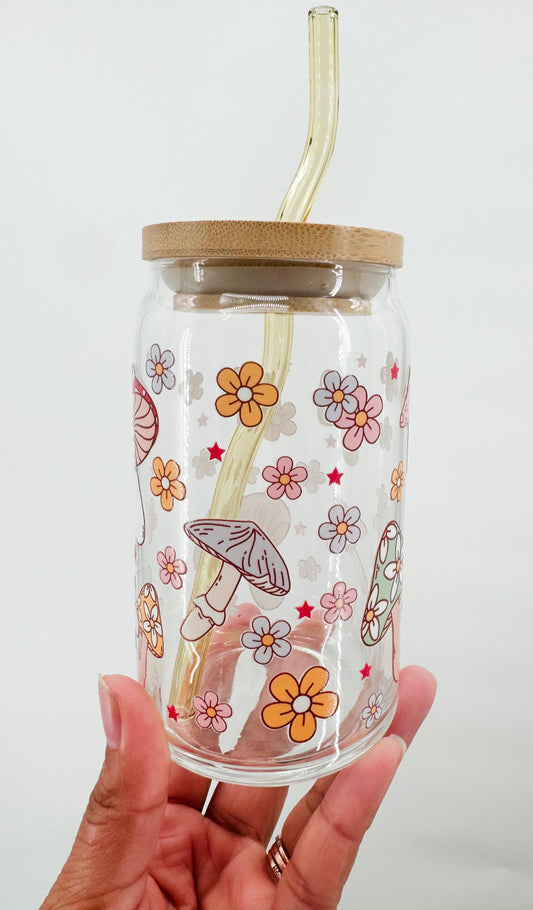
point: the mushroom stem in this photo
(217, 598)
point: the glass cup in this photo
(271, 384)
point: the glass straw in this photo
(244, 445)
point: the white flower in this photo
(373, 609)
(266, 640)
(252, 476)
(336, 395)
(389, 376)
(202, 464)
(386, 434)
(281, 421)
(151, 626)
(191, 386)
(372, 712)
(314, 476)
(309, 568)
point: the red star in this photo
(215, 452)
(365, 672)
(334, 477)
(305, 610)
(172, 713)
(394, 371)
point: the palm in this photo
(198, 863)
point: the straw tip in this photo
(323, 11)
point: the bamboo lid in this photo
(285, 240)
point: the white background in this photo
(117, 114)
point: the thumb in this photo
(119, 831)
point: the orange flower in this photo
(245, 393)
(298, 704)
(397, 477)
(166, 484)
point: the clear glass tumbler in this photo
(271, 384)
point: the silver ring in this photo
(277, 857)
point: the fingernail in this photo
(399, 739)
(110, 710)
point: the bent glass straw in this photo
(244, 445)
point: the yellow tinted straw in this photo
(323, 114)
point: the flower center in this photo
(369, 616)
(339, 603)
(244, 393)
(170, 567)
(284, 478)
(159, 369)
(338, 395)
(165, 483)
(268, 640)
(301, 704)
(211, 712)
(361, 418)
(342, 527)
(373, 709)
(398, 566)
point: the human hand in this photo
(144, 844)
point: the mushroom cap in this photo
(145, 421)
(244, 546)
(388, 587)
(149, 618)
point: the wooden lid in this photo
(288, 240)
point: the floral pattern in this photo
(337, 395)
(361, 424)
(341, 528)
(157, 367)
(203, 465)
(397, 479)
(192, 388)
(171, 568)
(385, 438)
(339, 603)
(281, 422)
(298, 704)
(308, 568)
(373, 610)
(210, 712)
(389, 376)
(165, 484)
(315, 476)
(267, 640)
(393, 570)
(372, 712)
(284, 479)
(245, 394)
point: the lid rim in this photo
(284, 240)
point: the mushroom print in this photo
(298, 704)
(244, 550)
(379, 613)
(245, 393)
(150, 627)
(145, 430)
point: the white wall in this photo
(117, 114)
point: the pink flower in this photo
(362, 423)
(171, 568)
(211, 711)
(284, 478)
(339, 603)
